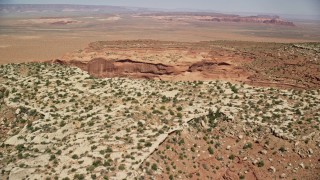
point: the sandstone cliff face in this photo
(103, 68)
(202, 70)
(157, 59)
(206, 65)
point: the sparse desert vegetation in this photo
(59, 122)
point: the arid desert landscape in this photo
(46, 32)
(115, 92)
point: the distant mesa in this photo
(218, 17)
(253, 19)
(25, 9)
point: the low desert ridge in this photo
(261, 64)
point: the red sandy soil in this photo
(268, 158)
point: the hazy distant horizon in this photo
(290, 7)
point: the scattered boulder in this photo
(204, 125)
(272, 169)
(18, 111)
(301, 165)
(283, 175)
(263, 152)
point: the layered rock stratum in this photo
(262, 64)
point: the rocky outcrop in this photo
(259, 64)
(206, 65)
(199, 70)
(100, 67)
(79, 64)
